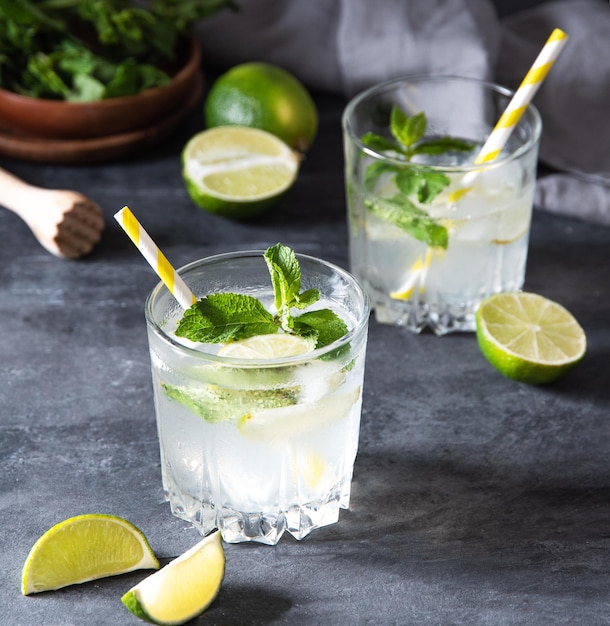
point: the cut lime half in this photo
(237, 172)
(83, 548)
(529, 338)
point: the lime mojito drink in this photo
(258, 391)
(431, 233)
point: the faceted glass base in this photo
(261, 526)
(417, 316)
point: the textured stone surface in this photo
(476, 500)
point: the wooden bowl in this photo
(57, 119)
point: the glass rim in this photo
(419, 78)
(160, 289)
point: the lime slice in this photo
(182, 589)
(281, 423)
(236, 171)
(266, 347)
(83, 548)
(529, 338)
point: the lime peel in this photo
(528, 337)
(83, 548)
(182, 589)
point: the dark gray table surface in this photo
(476, 499)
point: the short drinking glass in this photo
(258, 447)
(427, 255)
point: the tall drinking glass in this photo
(258, 447)
(426, 255)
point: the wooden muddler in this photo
(66, 223)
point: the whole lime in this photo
(260, 95)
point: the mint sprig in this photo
(421, 183)
(285, 274)
(226, 317)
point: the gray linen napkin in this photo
(344, 46)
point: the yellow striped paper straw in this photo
(516, 107)
(416, 278)
(157, 260)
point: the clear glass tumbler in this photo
(425, 255)
(258, 447)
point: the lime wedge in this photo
(237, 172)
(182, 589)
(266, 347)
(529, 338)
(83, 548)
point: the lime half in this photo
(237, 172)
(529, 338)
(83, 548)
(182, 589)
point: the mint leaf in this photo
(216, 403)
(379, 143)
(325, 325)
(441, 145)
(401, 212)
(409, 181)
(202, 405)
(285, 274)
(407, 130)
(306, 298)
(224, 317)
(426, 184)
(432, 184)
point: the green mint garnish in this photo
(225, 317)
(421, 183)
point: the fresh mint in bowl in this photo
(76, 70)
